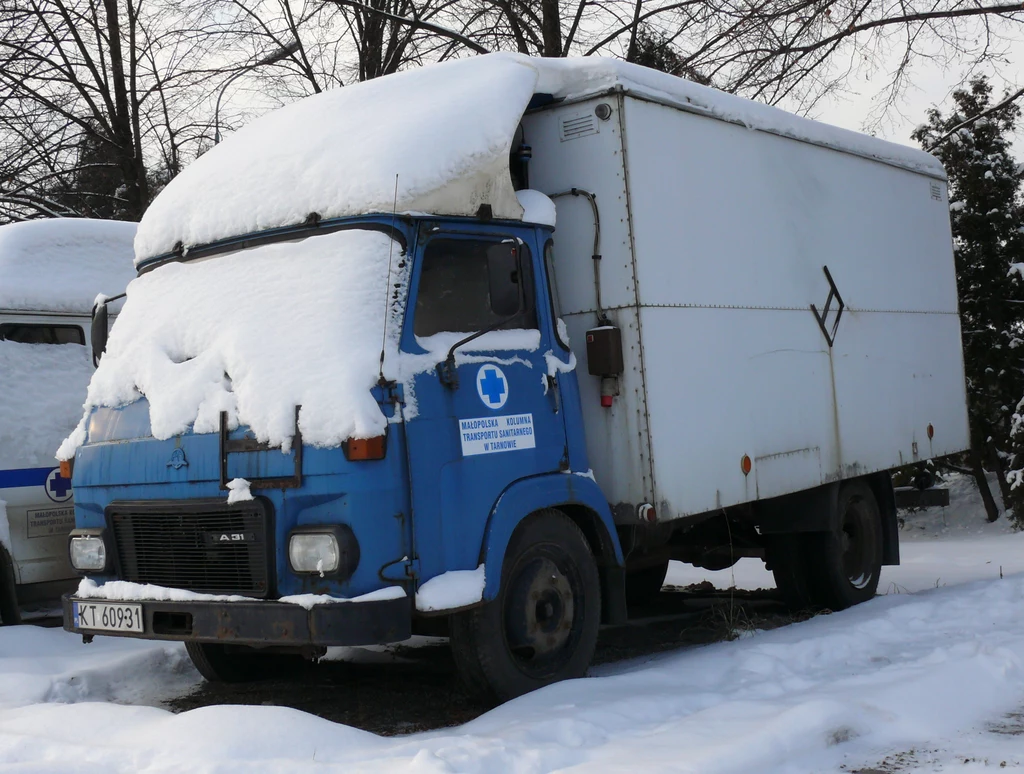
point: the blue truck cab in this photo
(482, 478)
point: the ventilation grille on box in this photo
(578, 126)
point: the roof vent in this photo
(574, 127)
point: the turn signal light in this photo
(66, 466)
(365, 448)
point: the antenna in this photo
(387, 305)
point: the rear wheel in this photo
(848, 563)
(220, 663)
(542, 627)
(834, 570)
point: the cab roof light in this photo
(365, 448)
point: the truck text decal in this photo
(487, 435)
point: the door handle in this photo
(552, 391)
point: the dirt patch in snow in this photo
(403, 689)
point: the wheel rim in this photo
(858, 544)
(541, 615)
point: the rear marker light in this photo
(66, 466)
(745, 465)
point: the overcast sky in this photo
(931, 87)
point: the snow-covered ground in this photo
(928, 679)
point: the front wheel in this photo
(241, 664)
(542, 627)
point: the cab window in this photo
(35, 333)
(469, 285)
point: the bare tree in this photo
(93, 88)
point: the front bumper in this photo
(265, 623)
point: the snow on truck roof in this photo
(444, 130)
(62, 264)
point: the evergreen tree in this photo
(987, 217)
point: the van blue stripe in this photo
(10, 479)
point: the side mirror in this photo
(100, 328)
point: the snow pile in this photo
(452, 590)
(537, 207)
(49, 665)
(338, 153)
(126, 591)
(444, 131)
(60, 265)
(836, 693)
(238, 491)
(228, 334)
(42, 388)
(309, 601)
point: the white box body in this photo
(713, 239)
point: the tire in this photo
(642, 586)
(241, 664)
(833, 570)
(542, 628)
(847, 564)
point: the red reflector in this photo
(606, 401)
(365, 448)
(65, 469)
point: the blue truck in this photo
(700, 363)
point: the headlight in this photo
(314, 552)
(88, 552)
(324, 550)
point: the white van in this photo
(51, 272)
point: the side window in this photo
(33, 333)
(468, 285)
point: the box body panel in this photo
(713, 257)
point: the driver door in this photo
(494, 417)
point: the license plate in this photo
(107, 616)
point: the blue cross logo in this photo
(57, 487)
(492, 386)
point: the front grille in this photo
(203, 546)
